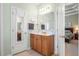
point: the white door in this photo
(17, 33)
(61, 29)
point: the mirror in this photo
(46, 20)
(42, 27)
(30, 26)
(19, 29)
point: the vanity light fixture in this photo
(45, 9)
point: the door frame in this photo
(62, 7)
(12, 53)
(11, 30)
(1, 29)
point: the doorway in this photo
(71, 29)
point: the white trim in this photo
(11, 30)
(12, 52)
(73, 10)
(56, 29)
(71, 7)
(71, 14)
(2, 29)
(67, 4)
(61, 32)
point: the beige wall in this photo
(73, 19)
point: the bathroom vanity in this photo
(42, 43)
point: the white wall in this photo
(0, 29)
(6, 29)
(31, 16)
(24, 29)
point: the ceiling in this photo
(71, 9)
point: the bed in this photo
(68, 34)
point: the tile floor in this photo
(71, 49)
(29, 53)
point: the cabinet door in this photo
(35, 39)
(52, 44)
(38, 45)
(32, 40)
(44, 46)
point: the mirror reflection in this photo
(19, 29)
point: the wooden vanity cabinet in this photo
(47, 45)
(32, 40)
(38, 43)
(42, 44)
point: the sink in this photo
(42, 33)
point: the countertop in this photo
(43, 33)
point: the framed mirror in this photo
(19, 29)
(42, 27)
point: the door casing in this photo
(1, 27)
(15, 45)
(60, 29)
